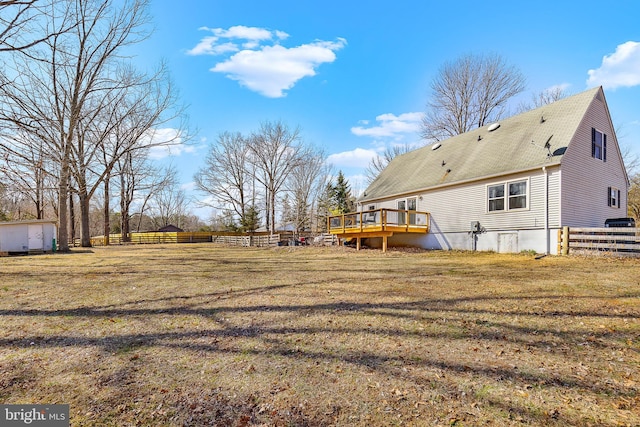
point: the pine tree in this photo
(251, 220)
(343, 200)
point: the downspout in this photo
(546, 210)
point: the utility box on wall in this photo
(27, 237)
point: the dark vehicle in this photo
(620, 222)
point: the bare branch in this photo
(469, 93)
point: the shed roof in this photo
(28, 221)
(518, 144)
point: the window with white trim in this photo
(412, 204)
(507, 196)
(598, 145)
(518, 195)
(613, 197)
(496, 197)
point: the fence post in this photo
(565, 240)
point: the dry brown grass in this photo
(205, 335)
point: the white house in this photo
(506, 187)
(34, 236)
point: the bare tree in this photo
(26, 23)
(226, 175)
(168, 204)
(28, 170)
(469, 93)
(134, 112)
(633, 202)
(77, 98)
(542, 98)
(380, 162)
(275, 152)
(305, 184)
(140, 182)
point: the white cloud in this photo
(259, 62)
(174, 146)
(390, 125)
(274, 69)
(189, 186)
(242, 32)
(209, 46)
(359, 158)
(558, 88)
(619, 69)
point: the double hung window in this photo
(598, 145)
(614, 197)
(507, 196)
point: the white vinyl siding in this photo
(585, 179)
(453, 208)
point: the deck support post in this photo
(358, 243)
(384, 243)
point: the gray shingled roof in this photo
(517, 145)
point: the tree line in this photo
(76, 118)
(271, 178)
(78, 123)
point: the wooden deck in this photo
(379, 223)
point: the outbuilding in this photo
(27, 237)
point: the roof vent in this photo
(436, 146)
(493, 127)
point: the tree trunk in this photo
(125, 225)
(72, 220)
(107, 218)
(85, 232)
(63, 237)
(273, 211)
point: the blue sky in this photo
(354, 76)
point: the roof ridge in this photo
(521, 142)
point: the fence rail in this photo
(259, 240)
(619, 239)
(189, 237)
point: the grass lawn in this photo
(208, 335)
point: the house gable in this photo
(589, 177)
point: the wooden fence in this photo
(246, 241)
(620, 240)
(190, 237)
(258, 239)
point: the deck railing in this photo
(395, 220)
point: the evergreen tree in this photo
(343, 200)
(325, 202)
(251, 220)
